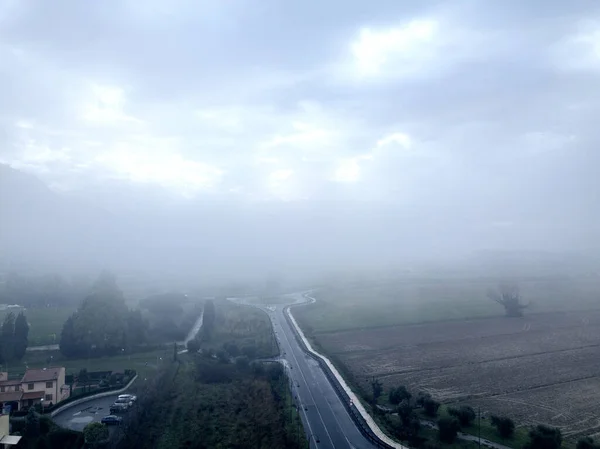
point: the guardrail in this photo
(361, 423)
(78, 401)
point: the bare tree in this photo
(509, 297)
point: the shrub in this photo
(544, 437)
(587, 443)
(505, 426)
(465, 415)
(193, 346)
(430, 406)
(398, 395)
(448, 429)
(95, 432)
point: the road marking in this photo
(309, 392)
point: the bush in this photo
(193, 346)
(587, 443)
(242, 362)
(431, 406)
(398, 395)
(544, 437)
(505, 426)
(448, 429)
(95, 432)
(465, 415)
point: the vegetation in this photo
(39, 432)
(432, 298)
(465, 415)
(399, 394)
(505, 426)
(95, 433)
(377, 389)
(169, 316)
(45, 323)
(587, 443)
(430, 407)
(236, 330)
(13, 337)
(42, 292)
(544, 437)
(103, 324)
(508, 296)
(448, 429)
(219, 398)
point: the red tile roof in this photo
(41, 375)
(33, 395)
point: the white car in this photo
(129, 397)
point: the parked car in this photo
(118, 408)
(127, 402)
(131, 397)
(111, 420)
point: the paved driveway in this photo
(77, 417)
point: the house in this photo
(44, 385)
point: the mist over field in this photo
(226, 240)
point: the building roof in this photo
(10, 383)
(32, 395)
(10, 396)
(41, 375)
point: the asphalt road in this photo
(77, 417)
(324, 416)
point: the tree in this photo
(504, 425)
(95, 433)
(398, 395)
(8, 337)
(544, 437)
(193, 346)
(68, 345)
(208, 320)
(21, 336)
(448, 429)
(430, 406)
(587, 443)
(377, 388)
(508, 296)
(465, 415)
(32, 423)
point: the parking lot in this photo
(77, 417)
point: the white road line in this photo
(306, 383)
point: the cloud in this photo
(421, 104)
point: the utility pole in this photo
(479, 413)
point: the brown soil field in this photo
(542, 368)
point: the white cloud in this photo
(375, 51)
(137, 162)
(347, 171)
(580, 50)
(106, 105)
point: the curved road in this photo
(324, 416)
(78, 416)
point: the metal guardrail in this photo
(358, 419)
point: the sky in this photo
(456, 110)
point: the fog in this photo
(235, 141)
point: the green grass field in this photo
(45, 325)
(429, 300)
(145, 363)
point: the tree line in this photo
(14, 337)
(42, 291)
(103, 324)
